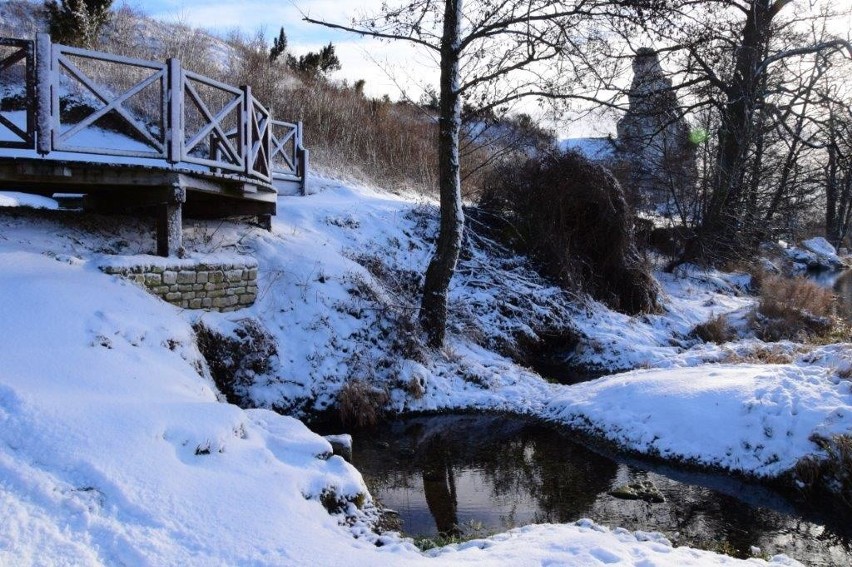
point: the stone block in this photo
(186, 277)
(251, 289)
(185, 287)
(252, 274)
(239, 290)
(195, 303)
(220, 302)
(161, 290)
(172, 296)
(206, 302)
(217, 277)
(169, 277)
(197, 287)
(157, 269)
(209, 286)
(247, 299)
(216, 293)
(188, 295)
(234, 275)
(153, 280)
(139, 278)
(202, 277)
(184, 303)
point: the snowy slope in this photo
(115, 448)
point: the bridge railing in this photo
(56, 98)
(17, 109)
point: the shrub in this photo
(716, 330)
(794, 309)
(360, 404)
(572, 216)
(235, 361)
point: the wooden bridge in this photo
(132, 134)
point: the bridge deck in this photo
(166, 139)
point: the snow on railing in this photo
(56, 98)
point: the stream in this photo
(481, 474)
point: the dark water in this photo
(485, 474)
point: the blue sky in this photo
(360, 58)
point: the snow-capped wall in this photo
(216, 284)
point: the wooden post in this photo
(170, 224)
(246, 118)
(303, 166)
(174, 120)
(44, 96)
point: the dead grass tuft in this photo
(762, 355)
(794, 309)
(361, 404)
(716, 330)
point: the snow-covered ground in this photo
(116, 449)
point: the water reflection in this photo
(445, 474)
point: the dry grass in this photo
(794, 309)
(762, 355)
(360, 404)
(830, 473)
(716, 330)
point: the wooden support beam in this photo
(170, 225)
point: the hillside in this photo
(134, 431)
(117, 448)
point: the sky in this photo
(360, 58)
(396, 69)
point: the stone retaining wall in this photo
(215, 284)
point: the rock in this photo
(815, 254)
(341, 445)
(639, 490)
(819, 246)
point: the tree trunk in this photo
(736, 133)
(433, 308)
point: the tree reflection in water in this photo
(443, 473)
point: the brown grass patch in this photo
(762, 355)
(716, 330)
(360, 404)
(794, 309)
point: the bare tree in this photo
(490, 52)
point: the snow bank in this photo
(14, 199)
(115, 450)
(755, 419)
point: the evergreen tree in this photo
(77, 22)
(319, 63)
(279, 46)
